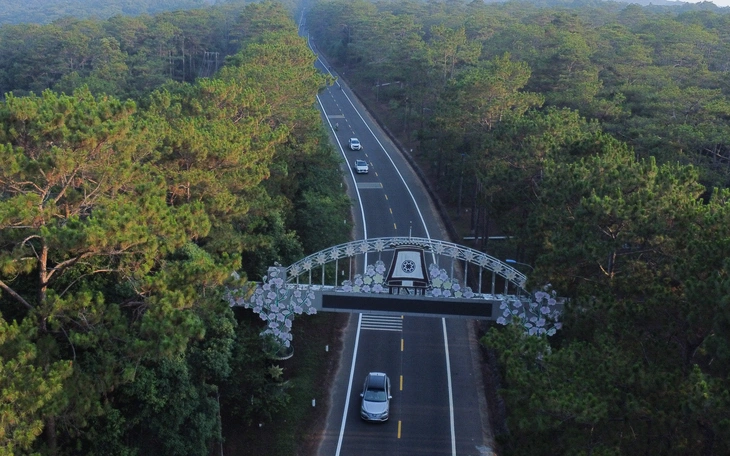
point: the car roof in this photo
(376, 380)
(361, 162)
(354, 139)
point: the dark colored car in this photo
(375, 397)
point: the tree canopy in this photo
(122, 220)
(594, 136)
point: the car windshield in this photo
(375, 396)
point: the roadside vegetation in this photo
(596, 137)
(47, 11)
(130, 189)
(144, 158)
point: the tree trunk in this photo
(43, 282)
(49, 433)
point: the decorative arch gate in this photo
(456, 258)
(343, 273)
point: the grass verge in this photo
(297, 429)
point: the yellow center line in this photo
(399, 423)
(401, 345)
(395, 226)
(391, 210)
(401, 383)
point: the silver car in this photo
(355, 144)
(375, 397)
(361, 166)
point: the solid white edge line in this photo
(428, 235)
(451, 392)
(352, 175)
(365, 236)
(413, 198)
(349, 388)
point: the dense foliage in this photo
(597, 136)
(656, 80)
(124, 56)
(45, 11)
(121, 222)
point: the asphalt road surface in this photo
(438, 405)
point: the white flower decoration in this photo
(276, 303)
(539, 316)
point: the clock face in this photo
(408, 266)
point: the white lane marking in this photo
(451, 392)
(413, 198)
(352, 175)
(443, 320)
(381, 323)
(365, 236)
(369, 185)
(349, 387)
(428, 235)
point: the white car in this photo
(361, 166)
(355, 144)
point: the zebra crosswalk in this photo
(381, 322)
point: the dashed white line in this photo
(382, 323)
(369, 185)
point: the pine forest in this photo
(149, 150)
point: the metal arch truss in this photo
(459, 257)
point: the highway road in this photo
(438, 407)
